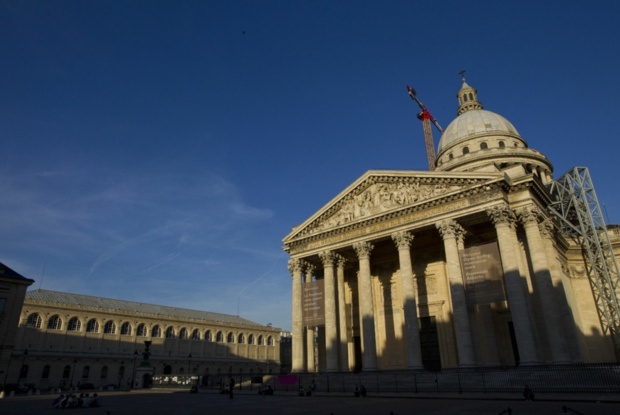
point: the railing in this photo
(541, 379)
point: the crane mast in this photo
(426, 118)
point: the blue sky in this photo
(160, 151)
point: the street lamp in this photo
(121, 373)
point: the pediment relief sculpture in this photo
(379, 198)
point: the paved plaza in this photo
(160, 402)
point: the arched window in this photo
(208, 336)
(450, 156)
(121, 372)
(261, 341)
(196, 334)
(251, 339)
(465, 97)
(34, 321)
(241, 338)
(156, 331)
(141, 330)
(170, 333)
(85, 372)
(183, 334)
(74, 324)
(483, 146)
(110, 327)
(269, 341)
(92, 326)
(54, 323)
(104, 372)
(126, 329)
(502, 144)
(219, 337)
(66, 372)
(46, 372)
(230, 338)
(471, 96)
(465, 150)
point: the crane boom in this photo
(426, 118)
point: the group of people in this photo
(359, 391)
(309, 391)
(84, 400)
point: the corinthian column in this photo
(295, 266)
(331, 328)
(310, 329)
(412, 331)
(342, 316)
(369, 343)
(504, 220)
(451, 231)
(530, 216)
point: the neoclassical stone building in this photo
(64, 339)
(458, 267)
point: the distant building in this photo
(66, 339)
(462, 266)
(12, 292)
(286, 351)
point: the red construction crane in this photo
(426, 119)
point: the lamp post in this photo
(21, 369)
(133, 371)
(72, 374)
(121, 373)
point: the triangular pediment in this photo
(379, 192)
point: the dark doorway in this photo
(429, 343)
(513, 342)
(357, 347)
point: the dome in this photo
(475, 123)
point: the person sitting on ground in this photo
(94, 402)
(86, 401)
(56, 403)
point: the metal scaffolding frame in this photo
(576, 205)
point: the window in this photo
(104, 372)
(483, 146)
(46, 372)
(92, 326)
(502, 144)
(465, 150)
(251, 339)
(2, 305)
(208, 336)
(465, 97)
(269, 341)
(156, 331)
(54, 323)
(121, 372)
(170, 333)
(74, 324)
(241, 339)
(85, 372)
(141, 330)
(109, 328)
(260, 340)
(195, 335)
(230, 338)
(126, 329)
(34, 321)
(66, 372)
(183, 334)
(219, 337)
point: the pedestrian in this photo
(231, 385)
(362, 391)
(528, 394)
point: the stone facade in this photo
(72, 339)
(458, 267)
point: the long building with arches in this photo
(64, 340)
(458, 267)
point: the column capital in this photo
(502, 215)
(295, 265)
(363, 249)
(547, 228)
(327, 258)
(402, 239)
(530, 215)
(450, 228)
(340, 260)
